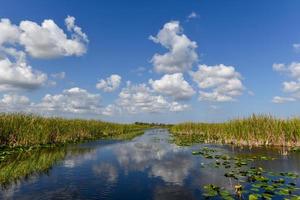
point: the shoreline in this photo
(23, 130)
(253, 131)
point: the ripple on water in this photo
(147, 167)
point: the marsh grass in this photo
(253, 131)
(31, 144)
(28, 130)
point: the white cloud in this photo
(40, 41)
(173, 85)
(10, 99)
(52, 41)
(141, 99)
(292, 87)
(71, 26)
(278, 67)
(218, 83)
(9, 33)
(181, 55)
(177, 107)
(192, 15)
(73, 100)
(15, 103)
(111, 110)
(19, 75)
(59, 75)
(110, 84)
(293, 70)
(278, 99)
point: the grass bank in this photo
(253, 131)
(29, 130)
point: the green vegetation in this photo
(27, 163)
(255, 130)
(250, 181)
(31, 144)
(29, 130)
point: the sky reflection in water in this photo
(147, 167)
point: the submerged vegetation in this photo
(255, 130)
(29, 130)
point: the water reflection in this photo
(106, 171)
(147, 167)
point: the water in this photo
(147, 167)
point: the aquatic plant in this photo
(19, 129)
(252, 182)
(255, 130)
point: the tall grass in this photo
(255, 130)
(27, 130)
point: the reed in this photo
(19, 129)
(253, 131)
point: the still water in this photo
(147, 167)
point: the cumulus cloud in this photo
(40, 41)
(14, 102)
(279, 67)
(177, 107)
(71, 26)
(141, 99)
(70, 101)
(173, 85)
(291, 87)
(278, 99)
(52, 41)
(110, 84)
(293, 70)
(73, 100)
(10, 99)
(18, 74)
(9, 33)
(218, 83)
(181, 55)
(111, 110)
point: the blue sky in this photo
(245, 50)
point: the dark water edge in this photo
(146, 167)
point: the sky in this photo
(151, 61)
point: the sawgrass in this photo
(28, 130)
(254, 131)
